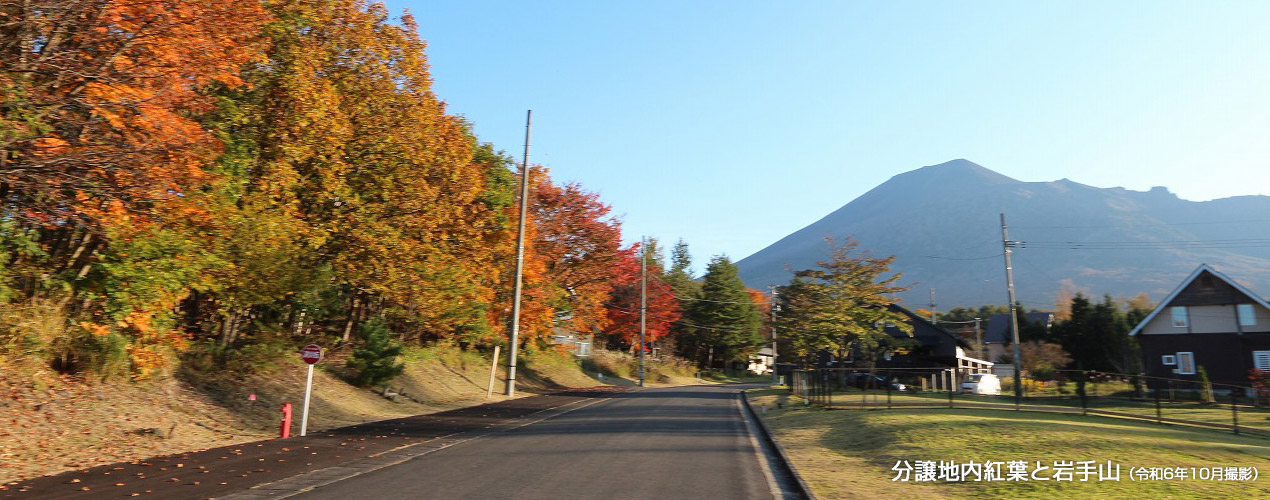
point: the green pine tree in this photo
(723, 320)
(376, 360)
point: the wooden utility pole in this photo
(1014, 318)
(520, 261)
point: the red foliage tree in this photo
(623, 305)
(578, 243)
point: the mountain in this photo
(942, 222)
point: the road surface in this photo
(671, 443)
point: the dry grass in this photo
(850, 453)
(51, 423)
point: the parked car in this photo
(982, 383)
(869, 381)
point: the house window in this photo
(1180, 318)
(1247, 317)
(1169, 359)
(1185, 363)
(1261, 360)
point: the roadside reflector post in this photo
(311, 354)
(286, 421)
(493, 371)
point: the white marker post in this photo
(311, 354)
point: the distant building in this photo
(579, 343)
(762, 362)
(1211, 321)
(998, 334)
(936, 347)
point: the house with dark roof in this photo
(933, 347)
(998, 334)
(1209, 320)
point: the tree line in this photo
(199, 176)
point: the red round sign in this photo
(311, 354)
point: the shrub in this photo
(1029, 385)
(376, 360)
(1206, 386)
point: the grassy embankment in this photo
(51, 423)
(851, 453)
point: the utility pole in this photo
(1014, 318)
(643, 303)
(932, 305)
(520, 261)
(776, 378)
(979, 350)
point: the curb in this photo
(780, 451)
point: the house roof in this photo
(998, 331)
(922, 326)
(1165, 304)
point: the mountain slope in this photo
(942, 222)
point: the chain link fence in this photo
(1238, 409)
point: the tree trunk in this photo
(230, 326)
(354, 311)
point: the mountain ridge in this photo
(942, 223)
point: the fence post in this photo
(864, 396)
(1234, 410)
(1158, 418)
(889, 378)
(1084, 401)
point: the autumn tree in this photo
(579, 243)
(96, 96)
(623, 305)
(840, 305)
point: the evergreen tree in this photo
(679, 276)
(723, 320)
(1097, 336)
(376, 360)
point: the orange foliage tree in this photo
(96, 95)
(579, 243)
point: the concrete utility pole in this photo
(932, 305)
(776, 378)
(520, 261)
(643, 303)
(1014, 318)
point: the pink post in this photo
(286, 421)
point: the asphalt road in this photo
(673, 443)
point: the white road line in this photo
(309, 481)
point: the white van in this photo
(982, 383)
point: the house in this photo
(577, 342)
(1209, 320)
(998, 335)
(935, 347)
(762, 362)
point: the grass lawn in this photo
(1250, 419)
(851, 453)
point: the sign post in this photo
(311, 354)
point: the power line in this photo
(966, 258)
(1147, 224)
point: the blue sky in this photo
(731, 124)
